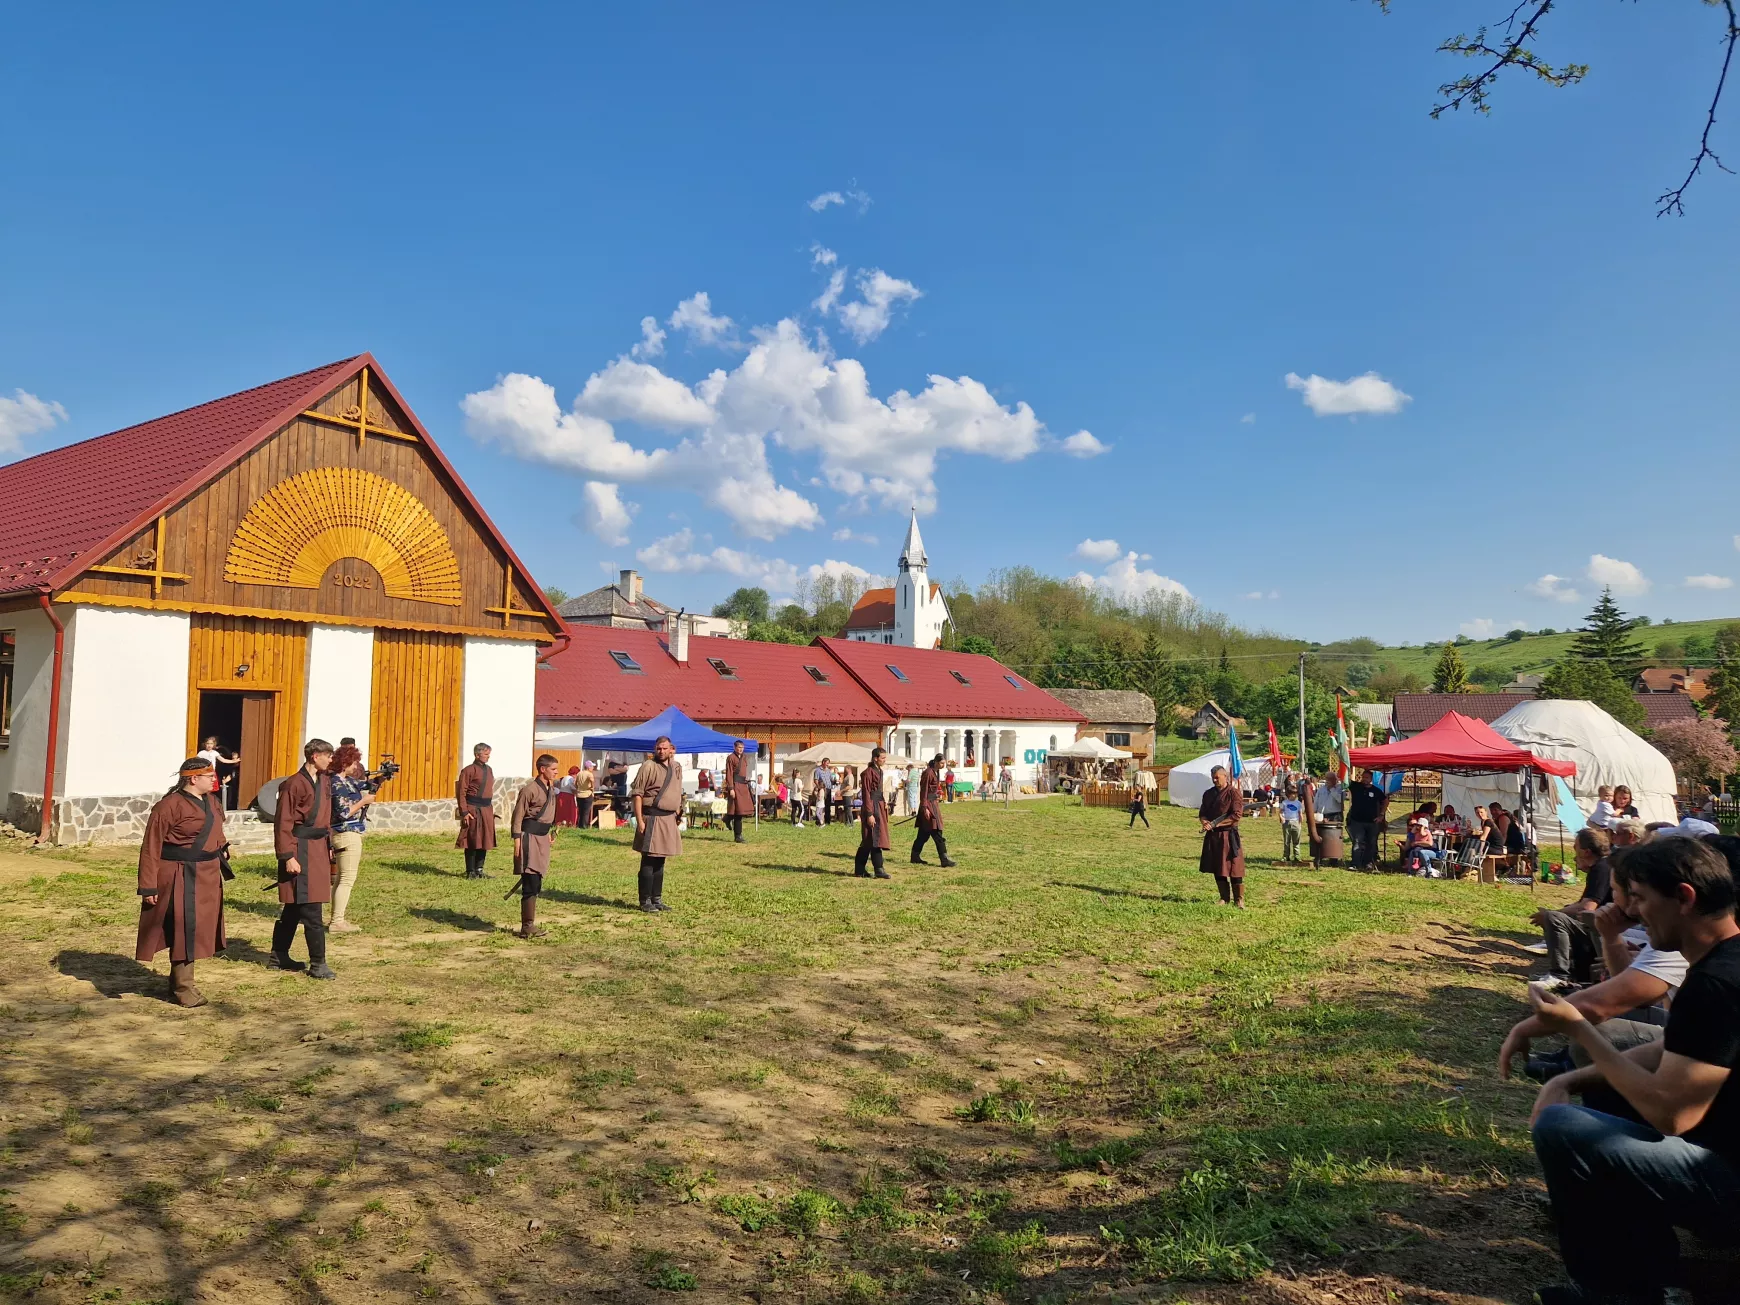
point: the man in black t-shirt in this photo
(1572, 942)
(1665, 1151)
(1367, 806)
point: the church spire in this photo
(913, 553)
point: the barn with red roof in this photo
(295, 560)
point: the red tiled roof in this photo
(84, 500)
(931, 690)
(583, 682)
(1660, 708)
(68, 503)
(874, 609)
(1418, 711)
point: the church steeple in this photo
(912, 555)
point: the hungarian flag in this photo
(1275, 748)
(1341, 741)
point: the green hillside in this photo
(1503, 658)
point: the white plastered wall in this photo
(22, 760)
(499, 707)
(1032, 740)
(341, 663)
(126, 707)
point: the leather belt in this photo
(310, 831)
(480, 802)
(176, 852)
(536, 828)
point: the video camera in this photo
(387, 769)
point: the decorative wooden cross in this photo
(507, 611)
(356, 417)
(150, 564)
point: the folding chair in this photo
(1467, 857)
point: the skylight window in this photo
(963, 679)
(896, 672)
(1016, 684)
(725, 672)
(625, 663)
(817, 674)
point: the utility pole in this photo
(1303, 768)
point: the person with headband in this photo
(474, 803)
(182, 868)
(302, 828)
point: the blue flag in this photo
(1235, 763)
(1566, 809)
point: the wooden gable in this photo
(347, 515)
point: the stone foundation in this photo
(122, 819)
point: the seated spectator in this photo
(1622, 803)
(1572, 941)
(1630, 1004)
(1421, 851)
(1450, 822)
(1603, 816)
(1507, 835)
(1656, 1144)
(1629, 832)
(1481, 827)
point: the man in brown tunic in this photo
(182, 868)
(873, 827)
(658, 800)
(474, 802)
(303, 824)
(739, 797)
(930, 824)
(1223, 853)
(533, 818)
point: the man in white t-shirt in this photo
(822, 781)
(1630, 1005)
(1330, 798)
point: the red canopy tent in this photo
(1460, 745)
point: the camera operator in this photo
(353, 791)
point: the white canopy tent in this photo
(1189, 781)
(1089, 749)
(841, 754)
(1569, 729)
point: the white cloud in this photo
(25, 414)
(1620, 577)
(695, 315)
(826, 198)
(1083, 444)
(844, 570)
(1249, 419)
(824, 302)
(639, 392)
(822, 256)
(846, 534)
(1126, 582)
(1555, 587)
(1481, 628)
(1274, 593)
(1736, 537)
(677, 554)
(1369, 394)
(652, 339)
(521, 413)
(1708, 582)
(1099, 551)
(868, 316)
(603, 513)
(1255, 594)
(860, 198)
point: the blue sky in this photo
(1135, 220)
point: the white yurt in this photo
(1189, 781)
(1568, 729)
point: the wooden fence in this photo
(1107, 795)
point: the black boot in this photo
(942, 852)
(283, 934)
(529, 918)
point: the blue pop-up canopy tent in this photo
(685, 736)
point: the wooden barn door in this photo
(265, 663)
(418, 681)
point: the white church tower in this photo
(919, 609)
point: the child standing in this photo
(1139, 807)
(1292, 811)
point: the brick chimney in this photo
(677, 636)
(629, 585)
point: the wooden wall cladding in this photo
(199, 534)
(419, 683)
(276, 655)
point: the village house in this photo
(1693, 681)
(626, 605)
(1119, 718)
(297, 559)
(1210, 721)
(1414, 712)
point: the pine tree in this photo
(1450, 675)
(1606, 637)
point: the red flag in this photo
(1275, 748)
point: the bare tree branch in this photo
(1673, 201)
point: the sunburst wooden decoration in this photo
(302, 525)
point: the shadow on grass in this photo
(244, 952)
(112, 975)
(455, 919)
(1103, 891)
(800, 869)
(423, 868)
(586, 899)
(262, 906)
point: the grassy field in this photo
(1533, 652)
(1059, 1071)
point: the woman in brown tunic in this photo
(1223, 853)
(303, 825)
(873, 829)
(182, 869)
(474, 803)
(739, 799)
(658, 800)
